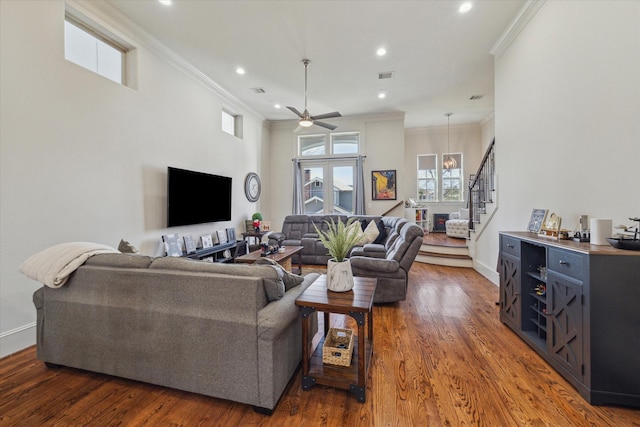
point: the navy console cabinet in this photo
(578, 306)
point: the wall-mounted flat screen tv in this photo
(197, 197)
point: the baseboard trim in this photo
(17, 339)
(491, 274)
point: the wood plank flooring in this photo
(441, 358)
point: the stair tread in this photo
(441, 255)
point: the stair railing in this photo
(482, 186)
(393, 208)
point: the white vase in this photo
(339, 276)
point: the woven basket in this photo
(338, 347)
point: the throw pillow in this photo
(274, 288)
(371, 232)
(464, 213)
(126, 247)
(355, 227)
(382, 237)
(290, 280)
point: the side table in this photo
(257, 235)
(357, 303)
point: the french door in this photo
(328, 186)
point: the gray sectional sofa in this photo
(389, 258)
(190, 325)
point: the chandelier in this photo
(449, 163)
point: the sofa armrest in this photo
(373, 265)
(276, 238)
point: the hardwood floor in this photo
(441, 358)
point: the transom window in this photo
(232, 123)
(93, 50)
(336, 144)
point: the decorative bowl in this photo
(624, 243)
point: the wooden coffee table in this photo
(357, 303)
(282, 258)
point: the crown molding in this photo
(104, 13)
(526, 13)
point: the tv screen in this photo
(197, 197)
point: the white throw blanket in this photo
(52, 266)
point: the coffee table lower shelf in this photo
(343, 377)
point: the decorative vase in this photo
(339, 276)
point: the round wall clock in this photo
(252, 187)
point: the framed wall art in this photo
(383, 185)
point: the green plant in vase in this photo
(339, 239)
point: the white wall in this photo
(382, 139)
(566, 118)
(84, 159)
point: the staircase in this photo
(438, 248)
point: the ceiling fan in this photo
(307, 119)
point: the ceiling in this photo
(439, 57)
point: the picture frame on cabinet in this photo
(172, 245)
(189, 245)
(207, 241)
(538, 217)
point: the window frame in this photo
(452, 180)
(434, 179)
(99, 33)
(237, 123)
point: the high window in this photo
(232, 123)
(96, 51)
(452, 189)
(427, 178)
(328, 172)
(434, 180)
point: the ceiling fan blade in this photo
(298, 113)
(324, 125)
(327, 115)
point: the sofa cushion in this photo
(271, 280)
(464, 213)
(125, 260)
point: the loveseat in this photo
(388, 257)
(191, 325)
(390, 261)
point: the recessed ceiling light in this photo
(165, 2)
(277, 106)
(465, 7)
(381, 51)
(240, 70)
(382, 94)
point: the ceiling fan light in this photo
(305, 123)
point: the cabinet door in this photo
(510, 283)
(564, 325)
